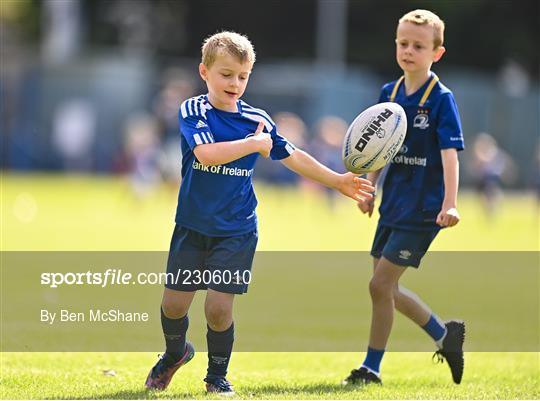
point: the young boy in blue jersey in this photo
(215, 236)
(419, 195)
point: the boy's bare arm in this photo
(374, 176)
(348, 184)
(449, 215)
(213, 154)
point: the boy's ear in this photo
(203, 71)
(439, 53)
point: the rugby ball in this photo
(374, 138)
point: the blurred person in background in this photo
(176, 86)
(142, 152)
(326, 147)
(536, 174)
(73, 133)
(292, 127)
(491, 167)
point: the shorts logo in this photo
(201, 124)
(403, 149)
(421, 121)
(405, 254)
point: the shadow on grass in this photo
(251, 392)
(141, 394)
(291, 389)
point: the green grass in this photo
(269, 376)
(67, 213)
(99, 213)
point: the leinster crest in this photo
(421, 120)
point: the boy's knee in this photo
(380, 289)
(218, 317)
(173, 310)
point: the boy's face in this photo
(414, 47)
(226, 79)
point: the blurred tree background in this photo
(79, 76)
(481, 34)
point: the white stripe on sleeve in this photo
(289, 148)
(183, 109)
(196, 107)
(250, 109)
(269, 124)
(258, 118)
(198, 139)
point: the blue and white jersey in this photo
(219, 201)
(413, 188)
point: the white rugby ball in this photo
(374, 138)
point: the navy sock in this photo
(220, 344)
(373, 359)
(435, 328)
(174, 331)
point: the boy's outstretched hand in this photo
(355, 187)
(448, 217)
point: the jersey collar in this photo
(427, 91)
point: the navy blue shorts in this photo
(402, 247)
(198, 262)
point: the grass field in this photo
(99, 213)
(269, 376)
(74, 213)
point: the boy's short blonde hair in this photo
(232, 43)
(425, 17)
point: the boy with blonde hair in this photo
(419, 195)
(215, 236)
